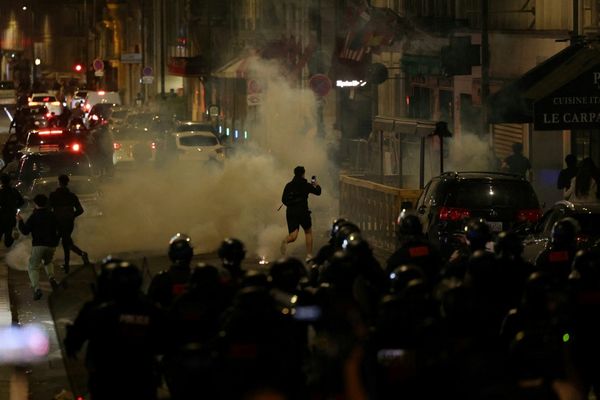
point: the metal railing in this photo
(374, 208)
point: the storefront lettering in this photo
(596, 78)
(568, 100)
(571, 118)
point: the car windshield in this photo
(44, 99)
(7, 85)
(495, 193)
(54, 165)
(198, 140)
(194, 127)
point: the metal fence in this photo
(374, 208)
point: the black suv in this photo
(503, 201)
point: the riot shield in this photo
(64, 304)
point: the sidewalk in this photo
(6, 372)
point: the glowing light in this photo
(227, 131)
(236, 133)
(220, 129)
(76, 147)
(101, 92)
(353, 83)
(245, 134)
(263, 260)
(566, 337)
(37, 61)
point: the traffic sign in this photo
(147, 80)
(99, 73)
(320, 84)
(98, 64)
(254, 87)
(253, 99)
(147, 71)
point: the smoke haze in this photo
(144, 208)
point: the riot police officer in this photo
(173, 282)
(124, 337)
(232, 252)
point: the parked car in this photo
(52, 139)
(588, 217)
(48, 100)
(197, 146)
(43, 165)
(503, 201)
(101, 96)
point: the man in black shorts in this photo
(295, 198)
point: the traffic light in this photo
(78, 67)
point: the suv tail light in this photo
(76, 147)
(529, 215)
(453, 213)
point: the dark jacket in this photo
(10, 201)
(65, 204)
(43, 227)
(565, 176)
(295, 194)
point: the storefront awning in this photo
(236, 68)
(403, 125)
(514, 102)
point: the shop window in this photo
(419, 104)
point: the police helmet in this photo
(356, 245)
(205, 278)
(232, 251)
(104, 280)
(126, 278)
(343, 232)
(587, 266)
(508, 244)
(286, 273)
(180, 248)
(335, 227)
(340, 270)
(403, 274)
(478, 234)
(564, 232)
(408, 224)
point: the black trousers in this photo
(6, 230)
(65, 230)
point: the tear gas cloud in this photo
(143, 208)
(469, 152)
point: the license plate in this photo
(494, 226)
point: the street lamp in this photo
(37, 61)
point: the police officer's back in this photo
(169, 284)
(414, 248)
(557, 257)
(124, 336)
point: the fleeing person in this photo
(584, 186)
(44, 231)
(565, 175)
(517, 163)
(10, 201)
(66, 207)
(295, 198)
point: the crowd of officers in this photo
(481, 325)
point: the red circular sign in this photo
(98, 64)
(320, 84)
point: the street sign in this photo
(254, 87)
(320, 84)
(98, 65)
(147, 80)
(131, 58)
(147, 71)
(99, 73)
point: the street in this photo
(50, 377)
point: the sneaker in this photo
(37, 294)
(86, 260)
(53, 283)
(66, 268)
(283, 247)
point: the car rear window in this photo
(44, 98)
(198, 140)
(194, 127)
(37, 139)
(496, 193)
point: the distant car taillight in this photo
(153, 145)
(117, 146)
(529, 215)
(453, 213)
(76, 147)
